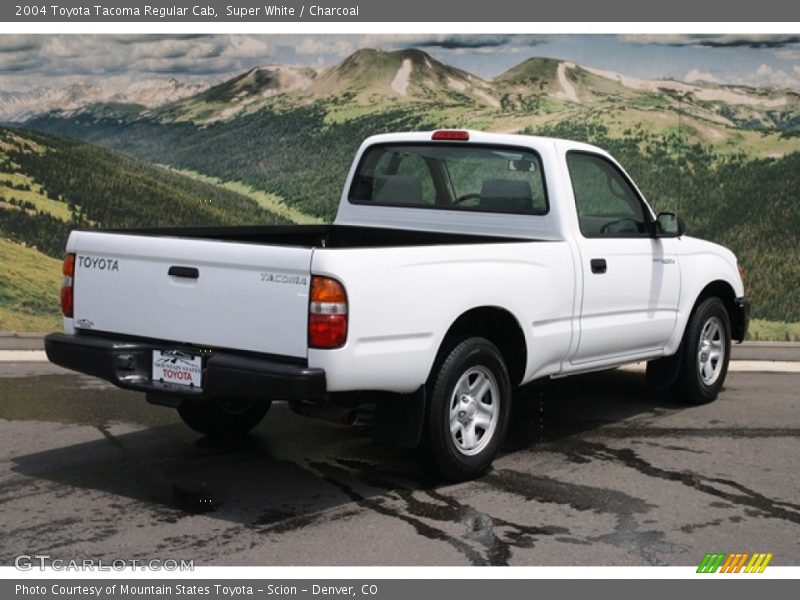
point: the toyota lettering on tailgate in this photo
(102, 264)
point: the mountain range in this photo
(372, 80)
(20, 106)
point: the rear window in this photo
(451, 177)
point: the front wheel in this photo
(706, 350)
(227, 418)
(468, 409)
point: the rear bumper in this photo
(740, 321)
(127, 364)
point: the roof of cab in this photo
(483, 137)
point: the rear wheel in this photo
(227, 418)
(706, 349)
(468, 409)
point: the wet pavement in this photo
(597, 470)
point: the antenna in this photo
(680, 150)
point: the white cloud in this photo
(698, 75)
(246, 47)
(316, 45)
(766, 75)
(765, 71)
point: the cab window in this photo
(451, 177)
(607, 204)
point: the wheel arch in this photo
(662, 373)
(497, 325)
(725, 292)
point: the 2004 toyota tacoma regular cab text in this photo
(460, 265)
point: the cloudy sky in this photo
(31, 61)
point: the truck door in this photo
(631, 280)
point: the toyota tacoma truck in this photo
(460, 265)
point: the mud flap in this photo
(399, 419)
(663, 372)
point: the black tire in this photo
(698, 381)
(224, 419)
(461, 455)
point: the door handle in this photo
(187, 272)
(599, 265)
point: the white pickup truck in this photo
(460, 265)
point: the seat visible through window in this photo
(507, 195)
(398, 189)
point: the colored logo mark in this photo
(736, 562)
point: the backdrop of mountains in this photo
(727, 157)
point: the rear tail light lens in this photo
(67, 297)
(457, 135)
(327, 313)
(741, 273)
(67, 307)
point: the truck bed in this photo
(226, 287)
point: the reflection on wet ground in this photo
(597, 470)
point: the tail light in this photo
(68, 269)
(741, 273)
(327, 313)
(453, 135)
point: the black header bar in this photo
(444, 11)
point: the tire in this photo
(468, 410)
(224, 419)
(705, 353)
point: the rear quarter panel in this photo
(402, 302)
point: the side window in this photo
(607, 204)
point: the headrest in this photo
(398, 189)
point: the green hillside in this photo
(29, 287)
(295, 155)
(52, 184)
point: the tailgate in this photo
(205, 292)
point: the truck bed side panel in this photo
(402, 301)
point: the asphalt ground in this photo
(597, 470)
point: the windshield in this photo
(451, 177)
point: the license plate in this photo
(178, 368)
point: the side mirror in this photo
(669, 225)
